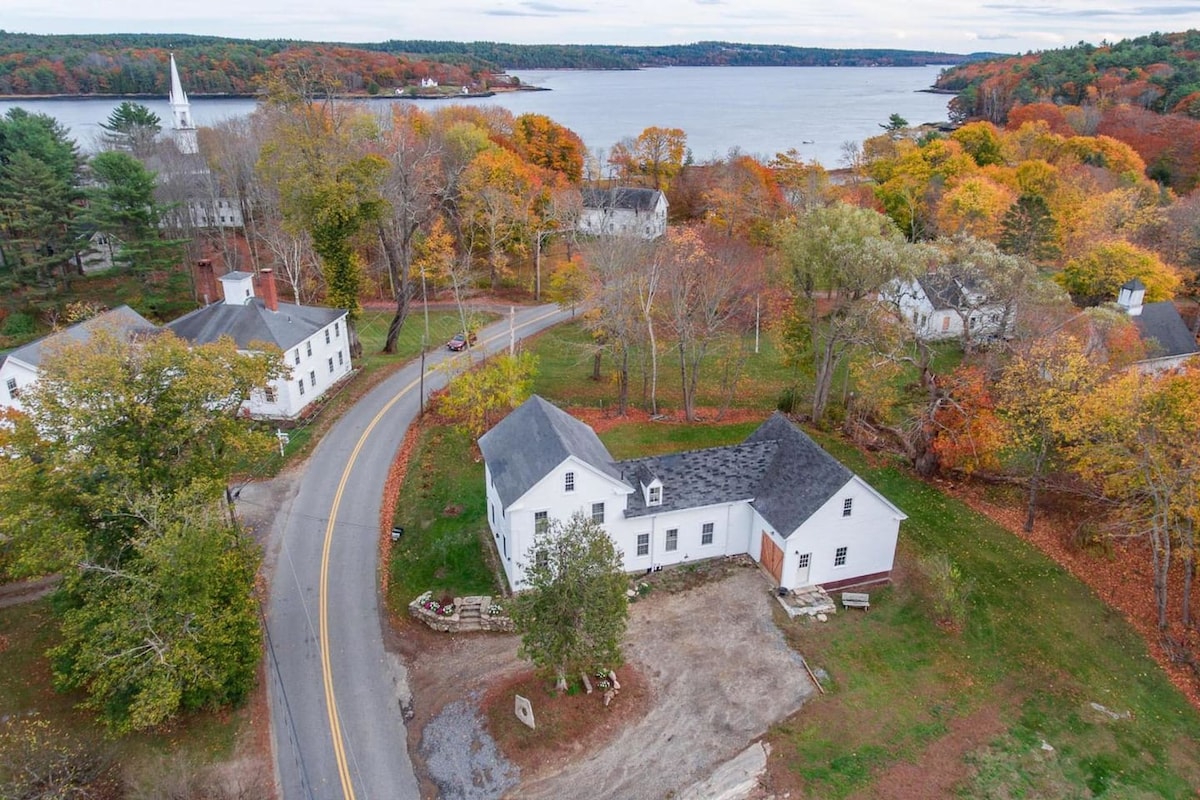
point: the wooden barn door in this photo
(772, 558)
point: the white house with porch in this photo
(777, 497)
(314, 340)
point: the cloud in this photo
(550, 8)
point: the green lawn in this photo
(26, 632)
(442, 508)
(565, 370)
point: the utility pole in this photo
(756, 321)
(512, 330)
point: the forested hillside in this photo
(131, 64)
(1159, 72)
(699, 54)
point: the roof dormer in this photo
(652, 492)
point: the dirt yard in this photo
(718, 673)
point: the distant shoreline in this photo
(253, 96)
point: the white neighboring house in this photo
(777, 497)
(314, 340)
(20, 368)
(1169, 342)
(624, 211)
(940, 305)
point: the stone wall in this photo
(477, 613)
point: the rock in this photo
(822, 618)
(1049, 748)
(587, 683)
(608, 696)
(612, 676)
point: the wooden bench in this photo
(856, 600)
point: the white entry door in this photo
(802, 570)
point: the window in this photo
(301, 385)
(672, 540)
(297, 355)
(839, 558)
(270, 394)
(331, 366)
(492, 506)
(643, 544)
(656, 495)
(541, 522)
(706, 533)
(598, 513)
(327, 336)
(804, 560)
(569, 482)
(847, 506)
(13, 391)
(308, 349)
(337, 329)
(340, 361)
(542, 559)
(312, 378)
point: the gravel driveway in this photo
(719, 671)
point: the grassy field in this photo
(26, 631)
(442, 508)
(565, 370)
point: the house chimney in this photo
(206, 285)
(269, 293)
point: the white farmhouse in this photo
(939, 305)
(624, 211)
(777, 497)
(314, 340)
(20, 368)
(1168, 341)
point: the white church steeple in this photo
(181, 113)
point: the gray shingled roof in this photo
(534, 439)
(621, 197)
(698, 478)
(121, 319)
(1162, 323)
(800, 478)
(252, 322)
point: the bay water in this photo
(758, 110)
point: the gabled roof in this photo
(122, 319)
(1162, 323)
(622, 197)
(800, 478)
(253, 322)
(698, 478)
(946, 291)
(532, 441)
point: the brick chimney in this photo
(206, 284)
(270, 294)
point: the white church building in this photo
(777, 497)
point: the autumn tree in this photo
(743, 199)
(992, 285)
(974, 206)
(704, 289)
(1038, 391)
(613, 301)
(116, 476)
(328, 185)
(476, 399)
(657, 154)
(544, 143)
(498, 190)
(412, 189)
(568, 285)
(572, 611)
(804, 184)
(1096, 276)
(836, 260)
(1135, 438)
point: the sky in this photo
(941, 25)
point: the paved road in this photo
(336, 695)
